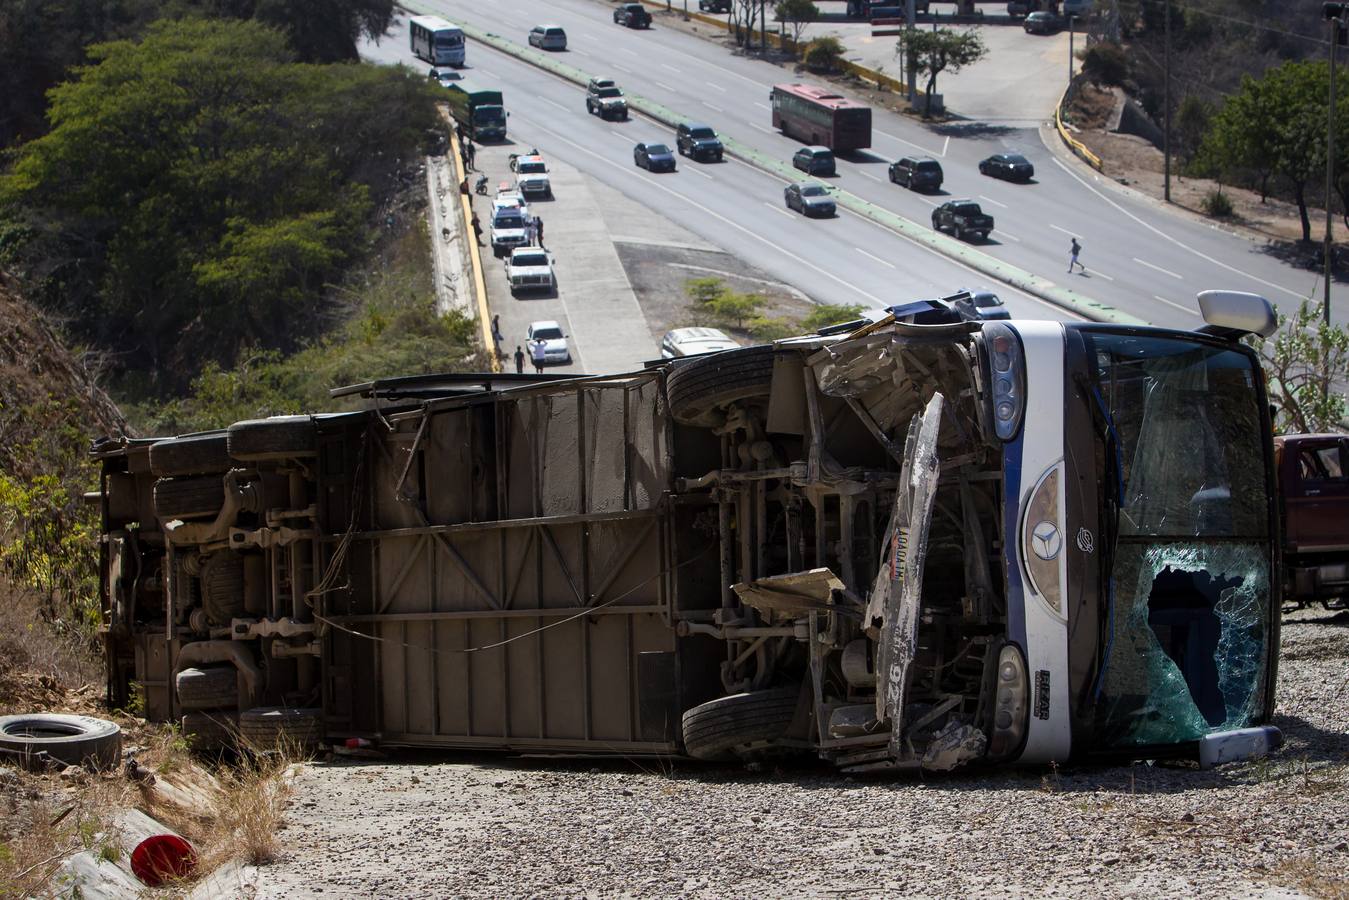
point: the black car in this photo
(633, 15)
(963, 218)
(1042, 23)
(714, 6)
(918, 173)
(698, 141)
(1011, 166)
(653, 157)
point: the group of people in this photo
(537, 349)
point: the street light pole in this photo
(1070, 52)
(1166, 110)
(1332, 12)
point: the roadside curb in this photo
(474, 256)
(1079, 148)
(1013, 276)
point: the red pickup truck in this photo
(1313, 472)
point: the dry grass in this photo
(43, 824)
(1315, 876)
(39, 660)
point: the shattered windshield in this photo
(1186, 555)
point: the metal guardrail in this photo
(1073, 143)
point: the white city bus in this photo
(438, 42)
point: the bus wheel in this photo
(730, 726)
(699, 387)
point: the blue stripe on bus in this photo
(1016, 599)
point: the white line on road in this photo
(663, 86)
(1003, 205)
(558, 105)
(729, 223)
(872, 177)
(932, 203)
(1011, 237)
(674, 70)
(1064, 230)
(947, 143)
(1097, 274)
(1162, 234)
(619, 134)
(901, 140)
(1176, 305)
(762, 128)
(696, 171)
(776, 208)
(629, 52)
(714, 86)
(583, 53)
(1158, 269)
(719, 109)
(619, 68)
(876, 258)
(762, 105)
(478, 70)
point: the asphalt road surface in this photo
(1140, 258)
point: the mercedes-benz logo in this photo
(1046, 541)
(1085, 542)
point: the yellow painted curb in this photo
(1073, 143)
(474, 257)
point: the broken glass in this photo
(1186, 644)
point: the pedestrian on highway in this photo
(477, 229)
(470, 153)
(497, 337)
(519, 360)
(536, 352)
(463, 186)
(1075, 248)
(538, 229)
(532, 229)
(459, 131)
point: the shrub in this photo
(823, 54)
(1216, 204)
(827, 314)
(1105, 64)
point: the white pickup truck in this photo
(530, 269)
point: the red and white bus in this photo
(821, 117)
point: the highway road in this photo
(1140, 259)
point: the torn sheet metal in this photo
(907, 554)
(954, 745)
(792, 594)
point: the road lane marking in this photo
(663, 86)
(1162, 234)
(558, 105)
(898, 139)
(670, 67)
(1064, 230)
(628, 51)
(786, 212)
(619, 134)
(714, 86)
(696, 171)
(945, 144)
(1158, 268)
(1177, 306)
(1011, 237)
(728, 222)
(480, 71)
(762, 128)
(994, 202)
(620, 68)
(1098, 274)
(714, 108)
(762, 105)
(872, 177)
(876, 258)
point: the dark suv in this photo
(917, 173)
(698, 141)
(633, 15)
(714, 6)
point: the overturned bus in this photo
(896, 545)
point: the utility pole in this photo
(1166, 110)
(1333, 13)
(909, 14)
(1070, 53)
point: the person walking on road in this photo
(1075, 248)
(470, 152)
(538, 229)
(519, 360)
(536, 350)
(497, 337)
(477, 229)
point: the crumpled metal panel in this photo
(907, 555)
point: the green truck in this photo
(479, 110)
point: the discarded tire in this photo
(211, 730)
(283, 727)
(699, 387)
(72, 740)
(197, 454)
(281, 437)
(193, 497)
(222, 587)
(716, 729)
(214, 687)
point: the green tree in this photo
(797, 14)
(318, 31)
(929, 53)
(1104, 64)
(198, 188)
(1305, 364)
(734, 309)
(827, 314)
(823, 54)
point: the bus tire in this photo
(285, 727)
(34, 739)
(699, 387)
(207, 731)
(191, 497)
(213, 687)
(280, 437)
(724, 728)
(197, 454)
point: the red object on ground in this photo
(162, 857)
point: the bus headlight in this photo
(1010, 703)
(1007, 367)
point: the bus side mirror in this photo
(1236, 313)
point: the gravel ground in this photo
(453, 825)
